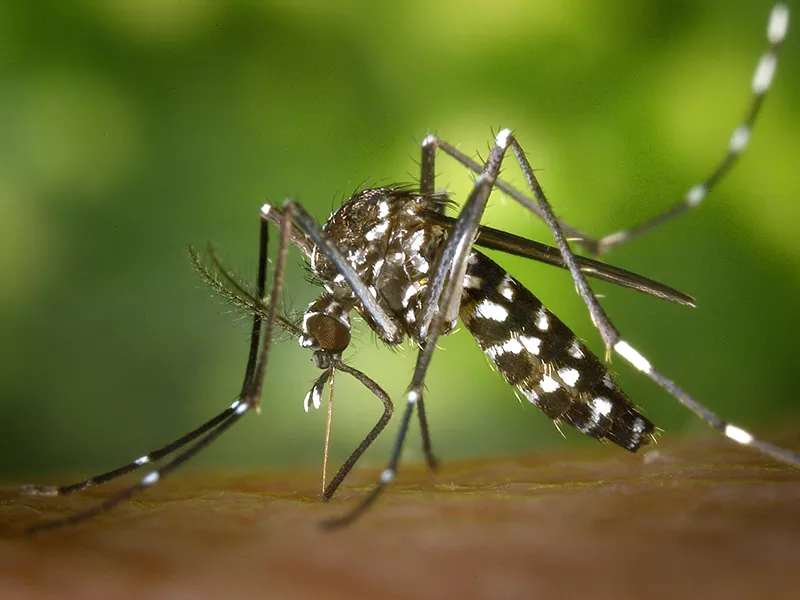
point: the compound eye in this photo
(331, 334)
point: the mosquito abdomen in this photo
(542, 358)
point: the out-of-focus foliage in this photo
(130, 130)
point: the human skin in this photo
(686, 519)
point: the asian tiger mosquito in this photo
(392, 255)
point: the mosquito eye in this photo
(330, 333)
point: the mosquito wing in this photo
(496, 239)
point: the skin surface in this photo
(690, 519)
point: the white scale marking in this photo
(738, 435)
(411, 291)
(613, 239)
(494, 351)
(334, 309)
(308, 315)
(542, 321)
(762, 78)
(503, 137)
(532, 344)
(506, 288)
(532, 396)
(490, 310)
(356, 257)
(151, 478)
(739, 139)
(312, 397)
(569, 375)
(376, 268)
(548, 384)
(574, 349)
(377, 231)
(472, 282)
(601, 406)
(778, 24)
(383, 209)
(417, 239)
(142, 460)
(696, 195)
(511, 346)
(632, 356)
(413, 397)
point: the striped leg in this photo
(614, 341)
(762, 80)
(761, 83)
(206, 433)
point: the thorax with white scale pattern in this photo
(384, 234)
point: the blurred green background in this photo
(130, 130)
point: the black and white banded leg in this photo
(325, 329)
(205, 434)
(777, 27)
(613, 340)
(763, 76)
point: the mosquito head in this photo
(326, 329)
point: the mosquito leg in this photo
(427, 174)
(505, 187)
(151, 457)
(386, 476)
(251, 392)
(427, 186)
(388, 409)
(762, 80)
(147, 481)
(156, 455)
(212, 430)
(427, 448)
(613, 339)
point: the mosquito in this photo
(393, 256)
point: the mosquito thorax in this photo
(387, 237)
